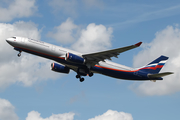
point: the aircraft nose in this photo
(9, 40)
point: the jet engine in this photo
(74, 58)
(59, 68)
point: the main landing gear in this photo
(81, 79)
(91, 74)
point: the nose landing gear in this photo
(18, 49)
(19, 54)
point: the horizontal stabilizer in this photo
(159, 75)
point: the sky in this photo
(29, 90)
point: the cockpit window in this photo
(14, 37)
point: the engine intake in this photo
(59, 68)
(74, 58)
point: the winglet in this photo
(138, 44)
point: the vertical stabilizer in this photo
(155, 66)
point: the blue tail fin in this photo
(155, 66)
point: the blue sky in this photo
(29, 90)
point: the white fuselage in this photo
(76, 61)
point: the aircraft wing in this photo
(94, 58)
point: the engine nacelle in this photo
(74, 58)
(59, 68)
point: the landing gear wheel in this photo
(77, 76)
(19, 55)
(81, 79)
(91, 74)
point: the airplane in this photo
(88, 64)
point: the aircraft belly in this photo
(119, 74)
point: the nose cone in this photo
(10, 40)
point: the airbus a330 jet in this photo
(88, 64)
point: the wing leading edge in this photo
(94, 58)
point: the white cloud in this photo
(7, 110)
(166, 42)
(113, 115)
(7, 113)
(64, 33)
(17, 9)
(109, 115)
(94, 38)
(27, 69)
(34, 115)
